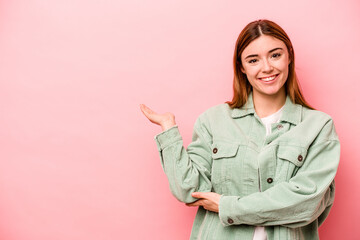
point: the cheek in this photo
(286, 68)
(285, 74)
(283, 66)
(250, 72)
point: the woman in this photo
(263, 165)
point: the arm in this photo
(297, 202)
(187, 170)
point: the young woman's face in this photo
(265, 62)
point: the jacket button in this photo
(215, 150)
(269, 180)
(230, 221)
(279, 126)
(300, 158)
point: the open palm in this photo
(165, 120)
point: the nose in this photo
(267, 67)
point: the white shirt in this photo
(260, 233)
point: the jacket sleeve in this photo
(304, 198)
(188, 170)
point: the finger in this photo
(142, 108)
(145, 109)
(195, 204)
(150, 114)
(198, 195)
(191, 205)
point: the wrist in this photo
(165, 126)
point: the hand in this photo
(209, 200)
(166, 120)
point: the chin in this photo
(272, 93)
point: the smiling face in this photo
(265, 62)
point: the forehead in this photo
(262, 45)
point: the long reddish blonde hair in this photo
(241, 85)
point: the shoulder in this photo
(214, 115)
(319, 122)
(316, 118)
(215, 112)
(310, 114)
(223, 107)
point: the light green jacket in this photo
(283, 181)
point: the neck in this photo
(266, 105)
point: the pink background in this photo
(77, 157)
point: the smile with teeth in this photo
(268, 79)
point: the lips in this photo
(269, 78)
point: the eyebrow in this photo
(255, 55)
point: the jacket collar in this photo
(291, 113)
(247, 109)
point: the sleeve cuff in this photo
(226, 210)
(167, 137)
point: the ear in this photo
(242, 70)
(290, 56)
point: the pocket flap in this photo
(224, 150)
(294, 154)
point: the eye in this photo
(276, 55)
(252, 61)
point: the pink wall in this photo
(77, 157)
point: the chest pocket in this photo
(224, 150)
(289, 159)
(224, 157)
